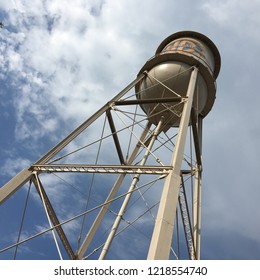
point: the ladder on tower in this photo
(185, 215)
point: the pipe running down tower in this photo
(173, 91)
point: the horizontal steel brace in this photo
(85, 168)
(149, 101)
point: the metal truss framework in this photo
(173, 173)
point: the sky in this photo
(62, 60)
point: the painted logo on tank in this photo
(191, 46)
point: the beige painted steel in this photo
(163, 230)
(175, 76)
(14, 184)
(171, 66)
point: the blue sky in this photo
(62, 60)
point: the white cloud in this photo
(67, 59)
(6, 4)
(13, 166)
(235, 15)
(50, 61)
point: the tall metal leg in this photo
(163, 230)
(52, 215)
(40, 190)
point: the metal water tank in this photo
(168, 74)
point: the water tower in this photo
(141, 148)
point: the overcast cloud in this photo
(61, 60)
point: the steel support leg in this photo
(163, 230)
(52, 215)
